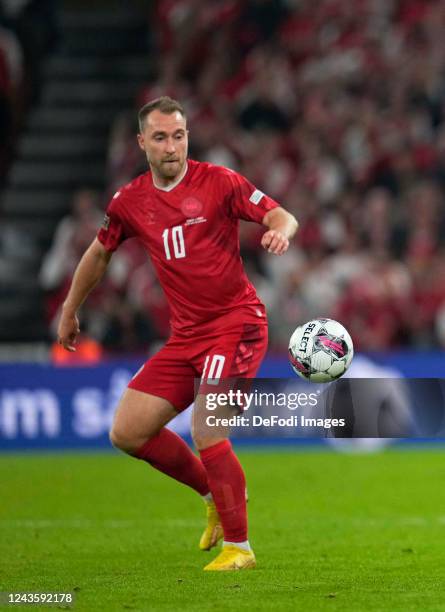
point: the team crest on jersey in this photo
(191, 207)
(106, 223)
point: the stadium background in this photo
(335, 108)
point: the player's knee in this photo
(197, 437)
(122, 441)
(203, 439)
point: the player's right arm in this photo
(88, 273)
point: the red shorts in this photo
(236, 350)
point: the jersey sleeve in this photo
(245, 201)
(114, 229)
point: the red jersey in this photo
(190, 231)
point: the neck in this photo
(162, 182)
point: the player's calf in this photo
(225, 476)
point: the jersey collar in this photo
(173, 185)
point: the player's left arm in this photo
(282, 226)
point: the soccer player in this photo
(186, 215)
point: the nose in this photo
(170, 145)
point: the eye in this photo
(159, 138)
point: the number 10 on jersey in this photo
(176, 239)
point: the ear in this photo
(141, 141)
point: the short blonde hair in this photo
(164, 104)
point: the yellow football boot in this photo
(213, 532)
(232, 558)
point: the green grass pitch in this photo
(330, 531)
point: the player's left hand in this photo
(275, 242)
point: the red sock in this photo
(168, 453)
(228, 486)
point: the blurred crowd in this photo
(336, 109)
(27, 33)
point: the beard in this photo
(168, 169)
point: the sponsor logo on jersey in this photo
(191, 207)
(195, 221)
(256, 196)
(106, 223)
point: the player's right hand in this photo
(67, 331)
(275, 242)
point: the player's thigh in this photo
(169, 375)
(227, 363)
(139, 417)
(162, 387)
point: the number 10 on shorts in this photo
(214, 369)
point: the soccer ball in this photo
(321, 350)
